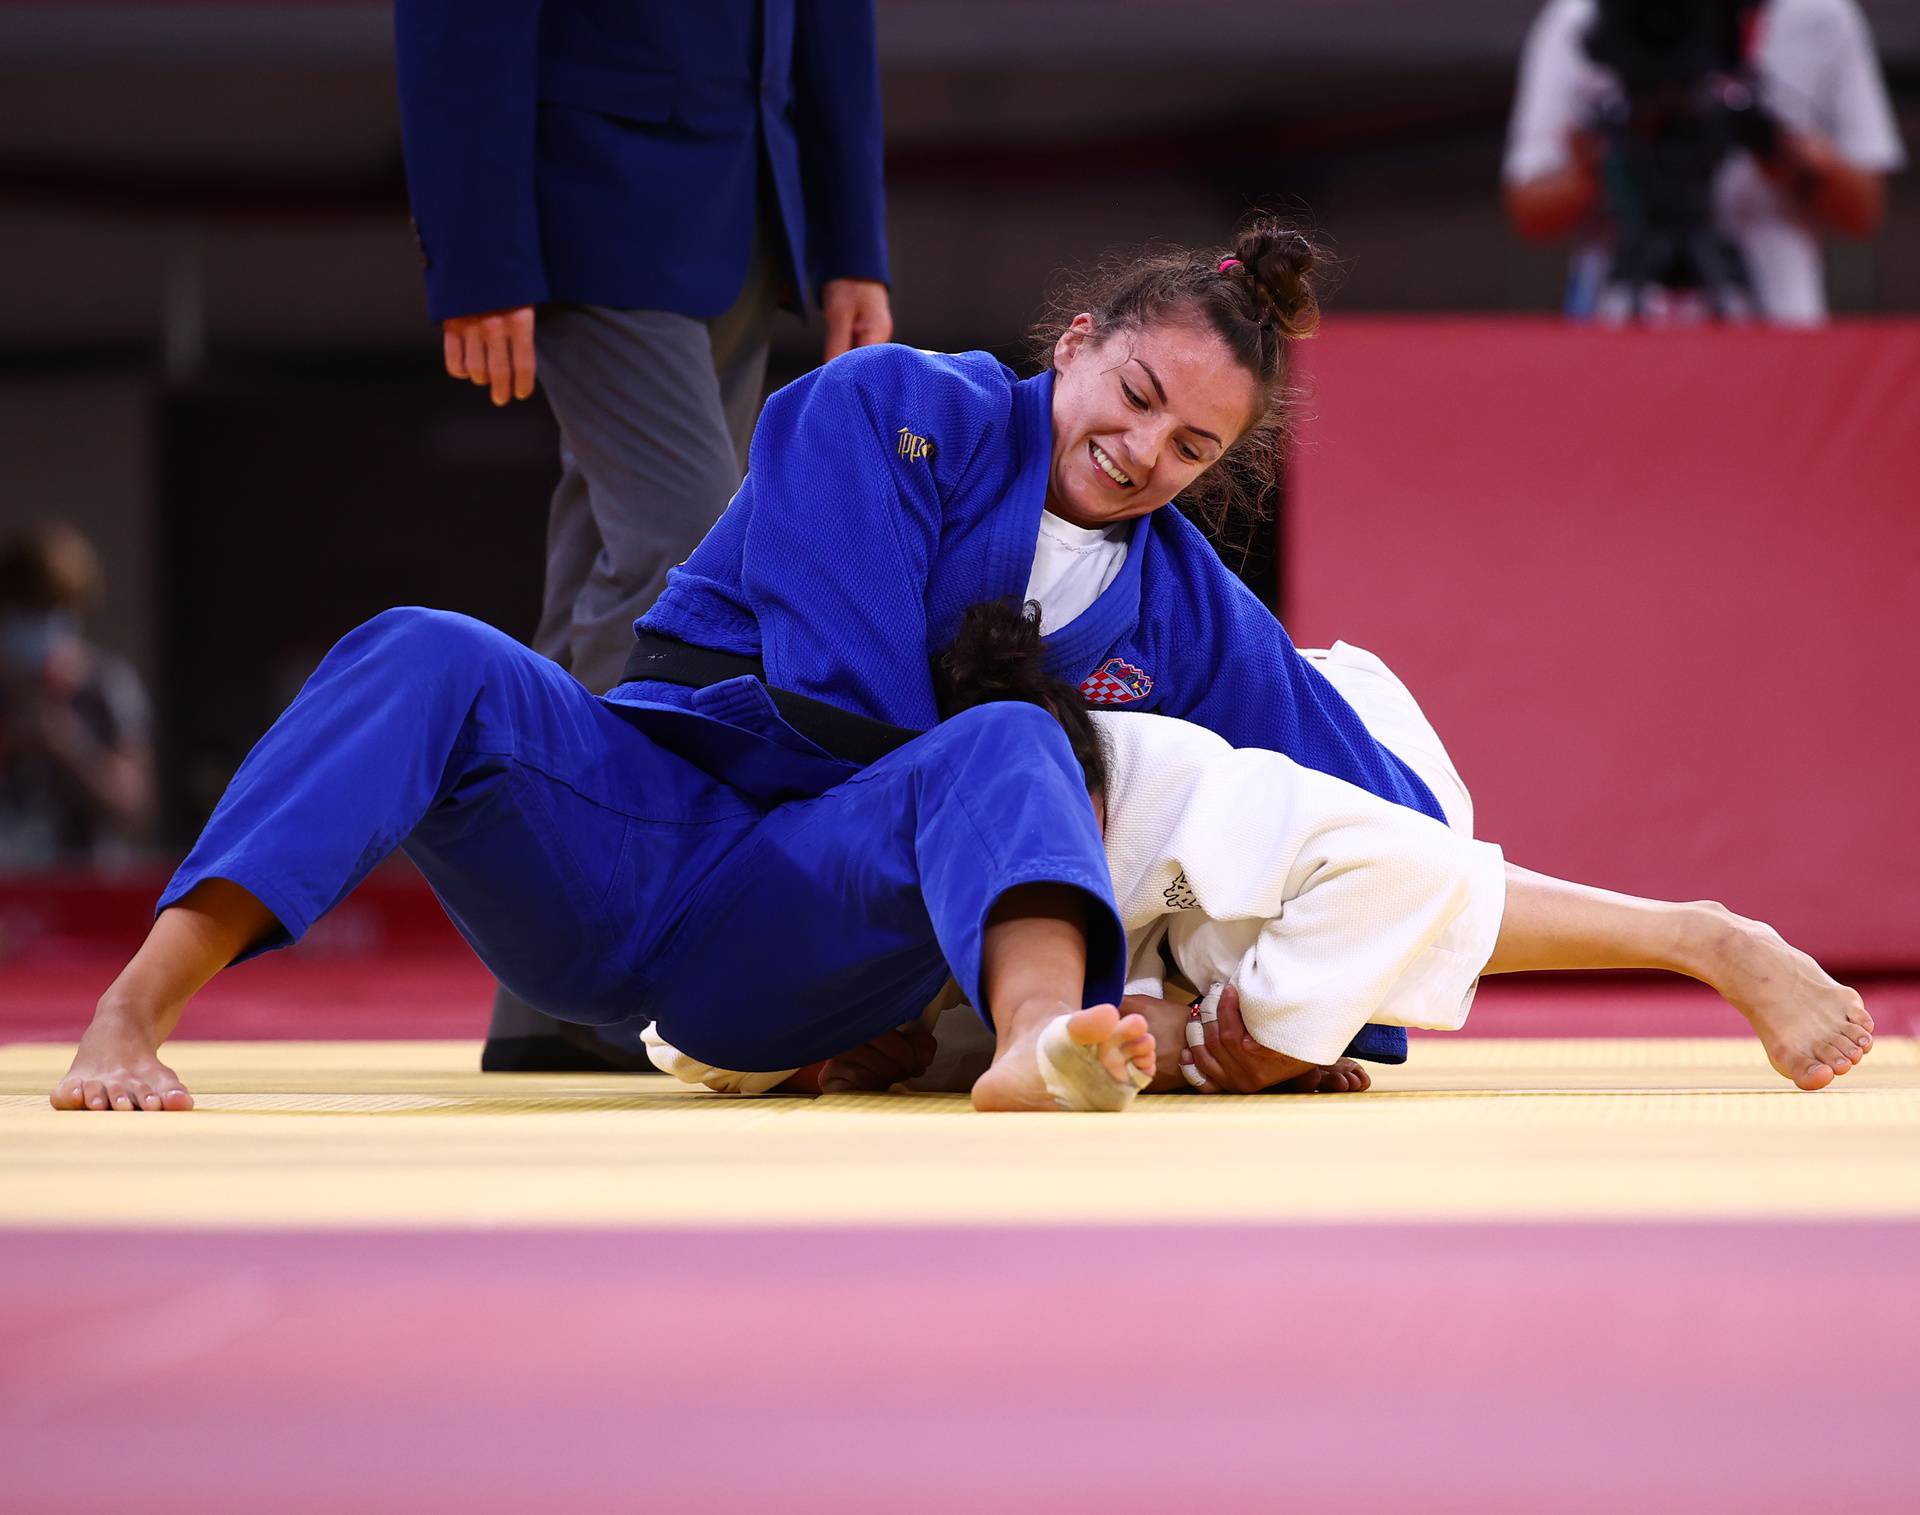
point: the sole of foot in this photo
(1092, 1059)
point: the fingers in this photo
(1202, 1055)
(860, 1068)
(520, 344)
(873, 325)
(474, 340)
(1232, 1030)
(925, 1046)
(839, 330)
(494, 352)
(499, 362)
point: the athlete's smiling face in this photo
(1139, 414)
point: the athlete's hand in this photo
(1230, 1061)
(879, 1065)
(858, 314)
(493, 350)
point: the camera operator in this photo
(1776, 109)
(76, 777)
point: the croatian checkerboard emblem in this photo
(1117, 682)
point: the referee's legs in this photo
(655, 413)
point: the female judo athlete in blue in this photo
(737, 843)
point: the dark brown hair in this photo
(996, 655)
(1265, 299)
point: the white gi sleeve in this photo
(689, 1070)
(1328, 907)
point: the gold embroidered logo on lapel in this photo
(914, 447)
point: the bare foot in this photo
(1813, 1028)
(1343, 1076)
(118, 1067)
(1094, 1059)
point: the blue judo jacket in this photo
(619, 152)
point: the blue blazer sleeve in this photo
(468, 74)
(843, 524)
(836, 82)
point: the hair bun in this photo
(1279, 261)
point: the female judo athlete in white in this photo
(607, 856)
(1309, 906)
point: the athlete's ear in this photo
(1078, 331)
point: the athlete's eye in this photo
(1132, 399)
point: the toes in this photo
(1815, 1076)
(95, 1094)
(1094, 1024)
(176, 1099)
(67, 1095)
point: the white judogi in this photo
(1325, 906)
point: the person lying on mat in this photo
(1312, 908)
(607, 856)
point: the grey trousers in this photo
(655, 413)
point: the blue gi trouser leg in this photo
(841, 916)
(599, 874)
(538, 814)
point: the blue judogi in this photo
(699, 865)
(902, 486)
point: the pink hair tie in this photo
(1226, 263)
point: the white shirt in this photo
(1818, 74)
(1072, 566)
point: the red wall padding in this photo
(1659, 591)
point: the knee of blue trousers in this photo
(431, 655)
(1004, 737)
(421, 637)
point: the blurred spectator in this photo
(1776, 109)
(76, 774)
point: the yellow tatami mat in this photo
(406, 1134)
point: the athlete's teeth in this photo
(1107, 466)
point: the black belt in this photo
(856, 738)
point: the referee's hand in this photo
(493, 350)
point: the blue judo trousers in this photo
(613, 860)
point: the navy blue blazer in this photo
(608, 152)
